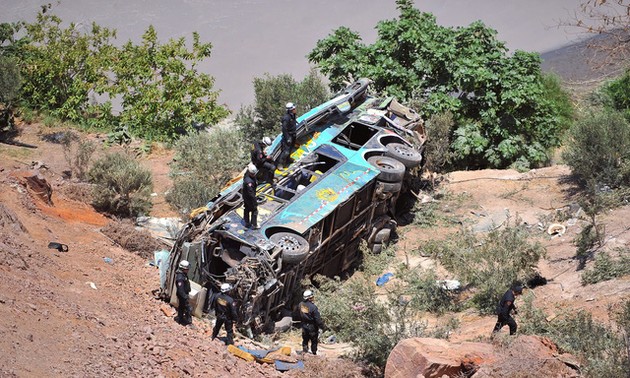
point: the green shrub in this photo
(203, 164)
(437, 153)
(598, 149)
(617, 94)
(606, 268)
(271, 95)
(425, 291)
(121, 185)
(375, 319)
(491, 264)
(9, 87)
(78, 155)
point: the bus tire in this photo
(391, 170)
(382, 237)
(294, 247)
(407, 155)
(377, 248)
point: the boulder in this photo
(435, 358)
(429, 358)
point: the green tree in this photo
(121, 185)
(271, 95)
(62, 67)
(203, 163)
(503, 114)
(163, 93)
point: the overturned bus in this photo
(346, 174)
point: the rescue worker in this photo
(225, 311)
(506, 306)
(311, 322)
(289, 133)
(183, 289)
(260, 159)
(250, 211)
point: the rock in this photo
(433, 358)
(167, 310)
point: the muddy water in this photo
(254, 37)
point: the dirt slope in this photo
(486, 198)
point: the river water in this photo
(254, 37)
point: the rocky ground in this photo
(75, 314)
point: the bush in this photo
(271, 95)
(617, 94)
(9, 87)
(601, 348)
(606, 268)
(437, 148)
(425, 292)
(491, 264)
(376, 319)
(358, 314)
(78, 155)
(598, 149)
(121, 185)
(203, 164)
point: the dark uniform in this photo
(225, 311)
(183, 289)
(311, 324)
(289, 133)
(250, 212)
(261, 161)
(506, 305)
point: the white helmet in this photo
(251, 168)
(226, 287)
(307, 294)
(290, 106)
(266, 141)
(184, 264)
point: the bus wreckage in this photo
(347, 172)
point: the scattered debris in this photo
(556, 229)
(92, 285)
(382, 280)
(450, 285)
(108, 260)
(58, 246)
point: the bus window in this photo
(355, 135)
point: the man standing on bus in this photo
(250, 210)
(289, 133)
